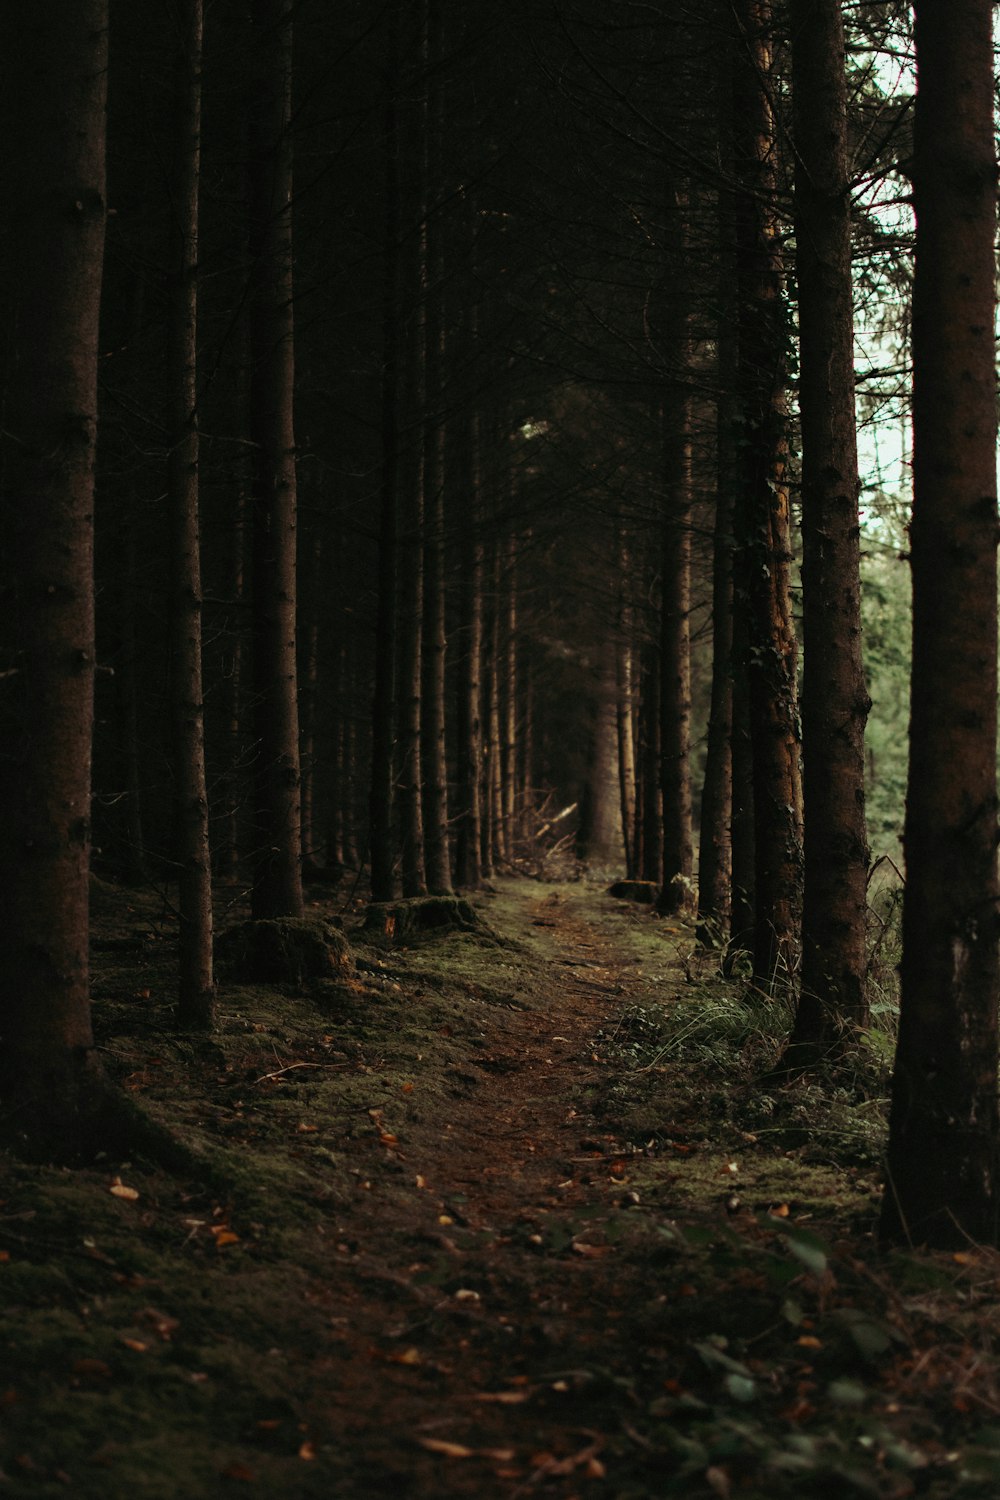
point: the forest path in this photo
(481, 1328)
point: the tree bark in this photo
(942, 1163)
(277, 883)
(196, 992)
(835, 703)
(53, 177)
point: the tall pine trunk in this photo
(715, 834)
(835, 701)
(52, 111)
(383, 777)
(675, 657)
(763, 517)
(277, 883)
(196, 993)
(941, 1182)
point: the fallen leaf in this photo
(590, 1252)
(224, 1236)
(781, 1212)
(4, 1256)
(307, 1451)
(119, 1189)
(447, 1450)
(808, 1341)
(304, 1129)
(420, 1181)
(136, 1345)
(406, 1357)
(407, 1088)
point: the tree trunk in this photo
(624, 709)
(675, 658)
(434, 739)
(652, 818)
(196, 993)
(382, 796)
(764, 528)
(508, 698)
(835, 700)
(942, 1170)
(715, 838)
(468, 830)
(277, 885)
(52, 110)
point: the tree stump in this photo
(400, 921)
(645, 891)
(285, 950)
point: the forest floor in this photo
(505, 1215)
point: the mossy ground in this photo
(504, 1213)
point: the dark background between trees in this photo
(470, 387)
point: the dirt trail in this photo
(489, 1321)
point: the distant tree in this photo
(941, 1179)
(52, 104)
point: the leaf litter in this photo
(600, 1268)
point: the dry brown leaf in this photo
(447, 1450)
(136, 1345)
(224, 1236)
(119, 1189)
(387, 1138)
(4, 1257)
(590, 1252)
(307, 1452)
(304, 1129)
(406, 1357)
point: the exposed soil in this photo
(478, 1222)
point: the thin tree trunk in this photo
(626, 740)
(764, 517)
(468, 831)
(196, 993)
(941, 1186)
(53, 176)
(715, 840)
(652, 796)
(508, 697)
(434, 742)
(835, 701)
(277, 885)
(382, 796)
(411, 605)
(675, 659)
(309, 689)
